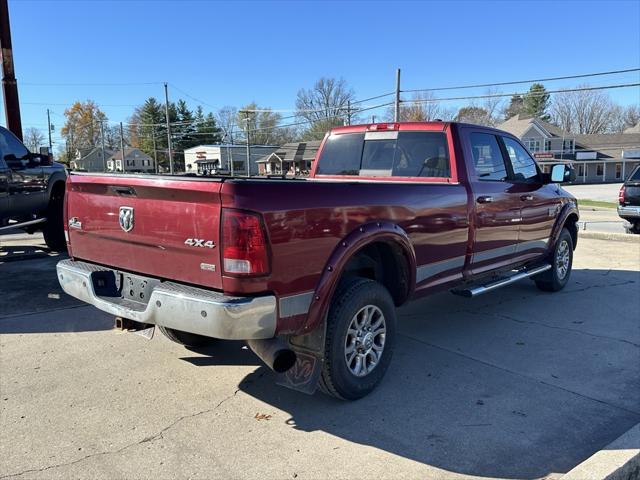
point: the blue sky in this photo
(230, 53)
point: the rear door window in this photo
(524, 167)
(386, 154)
(487, 157)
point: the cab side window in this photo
(524, 167)
(487, 157)
(12, 150)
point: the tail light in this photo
(244, 244)
(621, 196)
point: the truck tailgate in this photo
(173, 225)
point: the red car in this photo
(310, 271)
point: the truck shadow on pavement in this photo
(517, 384)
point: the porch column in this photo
(604, 171)
(584, 172)
(624, 164)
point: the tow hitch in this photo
(145, 330)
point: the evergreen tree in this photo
(536, 102)
(516, 106)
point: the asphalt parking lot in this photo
(515, 384)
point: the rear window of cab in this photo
(386, 154)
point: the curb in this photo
(620, 460)
(619, 237)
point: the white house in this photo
(206, 159)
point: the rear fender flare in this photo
(569, 208)
(366, 234)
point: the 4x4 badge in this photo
(126, 218)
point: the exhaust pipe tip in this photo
(275, 353)
(284, 360)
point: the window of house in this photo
(487, 157)
(131, 163)
(524, 167)
(599, 169)
(581, 170)
(534, 145)
(567, 146)
(618, 170)
(547, 145)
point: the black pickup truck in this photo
(629, 201)
(31, 191)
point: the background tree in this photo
(536, 102)
(586, 112)
(323, 106)
(515, 107)
(631, 116)
(473, 114)
(226, 118)
(33, 139)
(423, 107)
(262, 124)
(82, 126)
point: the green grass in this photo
(596, 203)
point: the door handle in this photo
(485, 199)
(526, 198)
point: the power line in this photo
(515, 82)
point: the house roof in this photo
(87, 152)
(634, 129)
(293, 152)
(128, 151)
(519, 124)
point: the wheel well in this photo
(385, 263)
(572, 225)
(57, 191)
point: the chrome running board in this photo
(503, 282)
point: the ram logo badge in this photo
(199, 242)
(126, 218)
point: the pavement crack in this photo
(522, 375)
(566, 329)
(151, 438)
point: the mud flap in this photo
(145, 330)
(304, 375)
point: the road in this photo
(604, 192)
(515, 384)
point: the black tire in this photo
(53, 229)
(561, 262)
(352, 297)
(635, 226)
(187, 339)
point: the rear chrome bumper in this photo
(628, 212)
(177, 306)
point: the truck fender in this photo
(364, 235)
(58, 176)
(569, 209)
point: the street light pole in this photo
(9, 82)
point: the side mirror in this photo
(562, 173)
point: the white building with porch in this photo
(597, 158)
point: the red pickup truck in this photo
(309, 271)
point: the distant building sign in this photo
(201, 155)
(586, 155)
(631, 153)
(543, 155)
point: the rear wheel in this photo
(361, 328)
(561, 262)
(634, 226)
(53, 229)
(187, 339)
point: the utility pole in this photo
(9, 83)
(396, 112)
(155, 152)
(373, 119)
(122, 147)
(166, 112)
(104, 160)
(49, 129)
(348, 112)
(248, 146)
